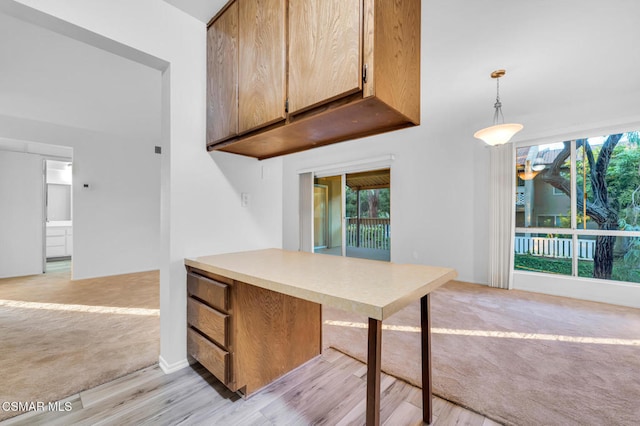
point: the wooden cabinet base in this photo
(209, 355)
(248, 336)
(329, 124)
(275, 333)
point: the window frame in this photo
(573, 230)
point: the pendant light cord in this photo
(497, 115)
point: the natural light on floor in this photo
(80, 308)
(500, 334)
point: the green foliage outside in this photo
(630, 262)
(350, 204)
(615, 200)
(622, 179)
(376, 201)
(550, 265)
(622, 270)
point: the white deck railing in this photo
(554, 247)
(368, 233)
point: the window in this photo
(548, 221)
(584, 195)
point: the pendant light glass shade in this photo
(498, 134)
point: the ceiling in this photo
(52, 78)
(375, 179)
(568, 62)
(202, 10)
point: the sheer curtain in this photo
(501, 229)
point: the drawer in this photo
(55, 232)
(210, 291)
(209, 355)
(56, 241)
(56, 251)
(214, 324)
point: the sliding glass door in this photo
(328, 217)
(352, 215)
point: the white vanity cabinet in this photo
(59, 239)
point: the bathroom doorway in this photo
(58, 215)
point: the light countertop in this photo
(59, 223)
(374, 288)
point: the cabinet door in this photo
(324, 51)
(261, 81)
(222, 76)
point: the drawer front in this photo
(209, 355)
(214, 324)
(56, 241)
(56, 251)
(210, 291)
(55, 232)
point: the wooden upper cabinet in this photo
(349, 69)
(325, 59)
(262, 48)
(222, 76)
(395, 62)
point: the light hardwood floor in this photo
(329, 390)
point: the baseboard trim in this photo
(172, 368)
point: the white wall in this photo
(117, 220)
(56, 79)
(436, 179)
(617, 293)
(58, 90)
(200, 194)
(21, 214)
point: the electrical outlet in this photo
(245, 199)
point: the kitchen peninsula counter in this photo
(372, 288)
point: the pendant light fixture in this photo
(499, 133)
(530, 171)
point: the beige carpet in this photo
(519, 358)
(59, 337)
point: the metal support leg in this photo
(373, 372)
(425, 322)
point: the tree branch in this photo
(598, 210)
(588, 152)
(599, 172)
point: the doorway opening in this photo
(58, 223)
(352, 215)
